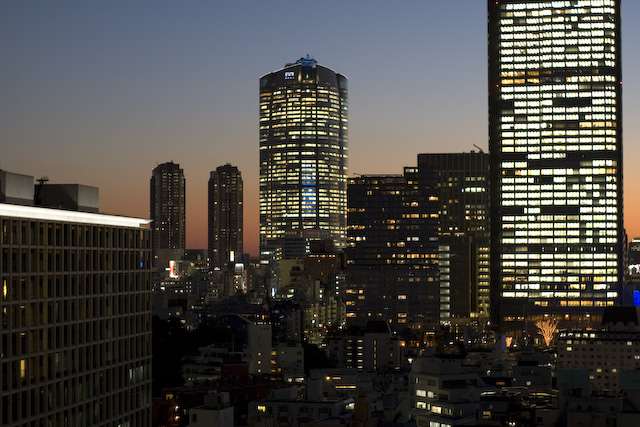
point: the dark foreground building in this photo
(463, 234)
(392, 250)
(75, 298)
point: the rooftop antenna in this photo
(41, 182)
(478, 148)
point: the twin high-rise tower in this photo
(303, 153)
(168, 214)
(167, 211)
(225, 215)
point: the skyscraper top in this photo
(305, 62)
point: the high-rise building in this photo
(463, 233)
(555, 129)
(75, 302)
(167, 209)
(392, 250)
(225, 215)
(303, 153)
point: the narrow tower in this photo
(225, 215)
(167, 209)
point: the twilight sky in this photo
(100, 92)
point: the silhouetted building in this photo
(555, 130)
(76, 318)
(74, 197)
(167, 210)
(463, 236)
(225, 215)
(392, 249)
(303, 153)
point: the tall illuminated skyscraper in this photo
(225, 215)
(167, 210)
(303, 152)
(556, 159)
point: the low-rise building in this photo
(444, 393)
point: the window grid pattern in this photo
(560, 179)
(75, 341)
(303, 152)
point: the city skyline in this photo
(136, 85)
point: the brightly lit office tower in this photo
(556, 158)
(225, 215)
(75, 298)
(167, 200)
(303, 153)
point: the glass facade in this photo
(556, 156)
(303, 152)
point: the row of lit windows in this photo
(580, 7)
(546, 24)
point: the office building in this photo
(75, 299)
(463, 235)
(555, 131)
(167, 210)
(225, 215)
(303, 153)
(392, 250)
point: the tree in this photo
(547, 328)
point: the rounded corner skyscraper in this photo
(303, 153)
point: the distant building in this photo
(444, 392)
(285, 407)
(225, 216)
(167, 210)
(392, 251)
(633, 273)
(217, 411)
(609, 353)
(375, 348)
(75, 300)
(303, 153)
(555, 131)
(463, 233)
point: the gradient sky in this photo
(100, 92)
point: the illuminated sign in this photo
(172, 270)
(289, 75)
